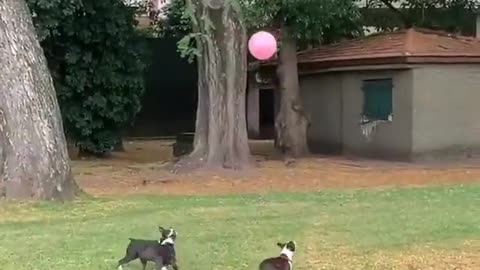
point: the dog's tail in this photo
(131, 239)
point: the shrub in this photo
(97, 60)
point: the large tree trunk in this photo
(200, 142)
(291, 122)
(221, 132)
(34, 162)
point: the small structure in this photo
(401, 95)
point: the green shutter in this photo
(378, 99)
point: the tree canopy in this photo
(310, 21)
(313, 23)
(448, 15)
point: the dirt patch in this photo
(466, 257)
(144, 168)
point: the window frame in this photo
(366, 84)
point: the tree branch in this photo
(406, 21)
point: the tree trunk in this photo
(119, 146)
(34, 161)
(221, 138)
(200, 141)
(291, 122)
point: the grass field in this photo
(411, 228)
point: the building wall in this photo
(390, 140)
(322, 97)
(446, 110)
(477, 26)
(334, 102)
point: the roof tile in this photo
(412, 42)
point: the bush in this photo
(175, 22)
(96, 57)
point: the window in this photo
(377, 99)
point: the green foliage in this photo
(313, 21)
(96, 57)
(326, 21)
(310, 21)
(176, 22)
(449, 15)
(187, 46)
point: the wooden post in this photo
(253, 107)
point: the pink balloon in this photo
(262, 45)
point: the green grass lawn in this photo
(334, 230)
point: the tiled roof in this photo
(404, 43)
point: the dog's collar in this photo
(287, 253)
(167, 241)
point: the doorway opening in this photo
(267, 114)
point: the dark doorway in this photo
(267, 114)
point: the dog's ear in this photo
(161, 229)
(280, 244)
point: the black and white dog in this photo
(161, 252)
(281, 262)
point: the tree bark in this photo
(221, 138)
(119, 146)
(200, 142)
(291, 122)
(34, 162)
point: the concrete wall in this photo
(391, 140)
(477, 26)
(322, 97)
(446, 110)
(335, 104)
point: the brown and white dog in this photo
(281, 262)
